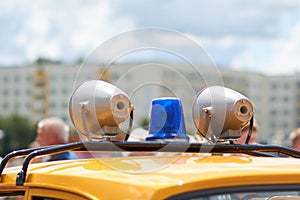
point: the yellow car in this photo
(129, 170)
(166, 164)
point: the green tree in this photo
(19, 133)
(144, 122)
(43, 60)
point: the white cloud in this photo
(277, 56)
(214, 18)
(253, 35)
(286, 54)
(63, 30)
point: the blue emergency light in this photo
(167, 120)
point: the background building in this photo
(41, 90)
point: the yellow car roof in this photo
(156, 176)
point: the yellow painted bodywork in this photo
(154, 177)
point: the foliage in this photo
(144, 122)
(19, 133)
(42, 60)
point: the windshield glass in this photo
(268, 192)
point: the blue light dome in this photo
(167, 120)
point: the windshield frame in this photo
(237, 189)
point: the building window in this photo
(64, 105)
(65, 91)
(273, 112)
(17, 92)
(6, 79)
(286, 86)
(272, 98)
(52, 105)
(53, 78)
(5, 92)
(28, 92)
(17, 105)
(17, 78)
(53, 91)
(274, 86)
(298, 85)
(116, 77)
(5, 106)
(28, 105)
(273, 125)
(128, 76)
(65, 118)
(28, 79)
(285, 98)
(65, 77)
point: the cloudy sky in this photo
(256, 35)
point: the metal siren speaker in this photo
(97, 108)
(221, 113)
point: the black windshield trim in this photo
(239, 189)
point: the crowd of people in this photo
(294, 136)
(54, 131)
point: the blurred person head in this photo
(295, 138)
(34, 144)
(52, 131)
(245, 131)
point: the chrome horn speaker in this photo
(97, 108)
(221, 113)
